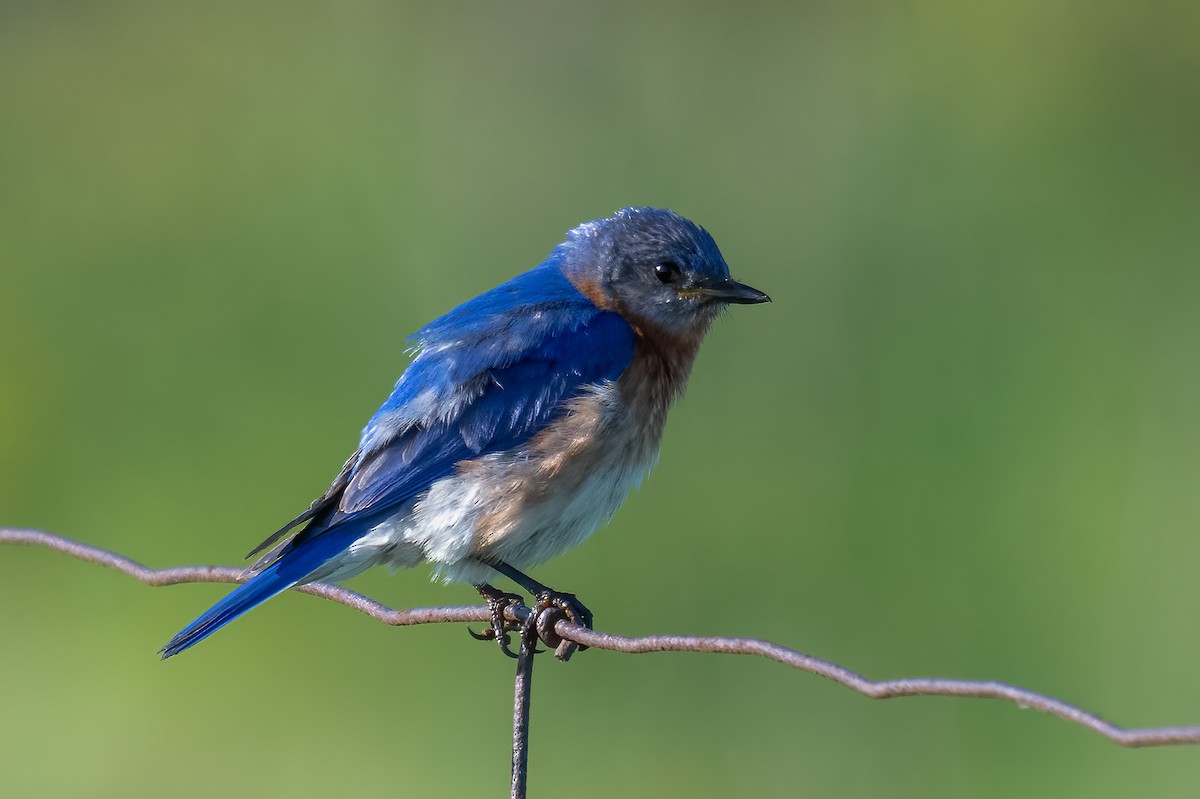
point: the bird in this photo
(525, 418)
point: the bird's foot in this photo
(498, 602)
(552, 606)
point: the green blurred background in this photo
(963, 441)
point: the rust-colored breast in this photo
(580, 467)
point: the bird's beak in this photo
(725, 290)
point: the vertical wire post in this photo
(522, 693)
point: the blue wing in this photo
(487, 376)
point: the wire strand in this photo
(875, 689)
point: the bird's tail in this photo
(281, 575)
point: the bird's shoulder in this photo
(535, 334)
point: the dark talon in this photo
(550, 607)
(486, 635)
(498, 601)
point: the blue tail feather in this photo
(281, 575)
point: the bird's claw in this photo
(498, 602)
(552, 606)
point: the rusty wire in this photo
(875, 689)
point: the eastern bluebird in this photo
(524, 420)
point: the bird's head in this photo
(660, 271)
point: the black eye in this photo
(667, 272)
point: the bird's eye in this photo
(667, 272)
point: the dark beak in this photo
(726, 290)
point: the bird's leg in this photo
(498, 601)
(568, 604)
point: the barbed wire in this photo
(552, 628)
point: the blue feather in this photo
(487, 376)
(275, 579)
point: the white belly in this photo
(525, 505)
